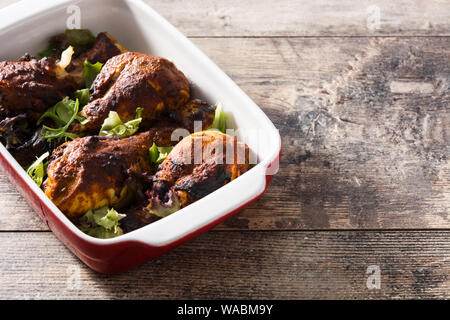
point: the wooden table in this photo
(364, 113)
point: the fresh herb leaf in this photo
(37, 169)
(113, 126)
(158, 154)
(60, 113)
(63, 114)
(110, 221)
(101, 223)
(154, 153)
(81, 120)
(82, 95)
(90, 72)
(163, 153)
(220, 119)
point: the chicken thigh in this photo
(29, 86)
(91, 172)
(131, 80)
(198, 165)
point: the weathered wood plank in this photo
(304, 18)
(15, 214)
(300, 265)
(358, 151)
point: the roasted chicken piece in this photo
(91, 172)
(131, 80)
(27, 88)
(85, 45)
(104, 48)
(30, 86)
(198, 165)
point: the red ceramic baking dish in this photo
(26, 27)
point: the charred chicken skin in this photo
(94, 171)
(137, 175)
(104, 48)
(29, 86)
(197, 166)
(194, 113)
(132, 80)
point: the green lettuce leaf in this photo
(60, 113)
(37, 169)
(220, 119)
(82, 95)
(101, 223)
(63, 114)
(158, 154)
(114, 127)
(90, 72)
(154, 153)
(163, 153)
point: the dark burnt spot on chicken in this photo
(194, 110)
(160, 187)
(105, 47)
(209, 179)
(25, 57)
(177, 169)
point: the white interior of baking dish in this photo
(26, 27)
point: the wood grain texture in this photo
(357, 154)
(265, 265)
(303, 18)
(306, 18)
(365, 122)
(365, 127)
